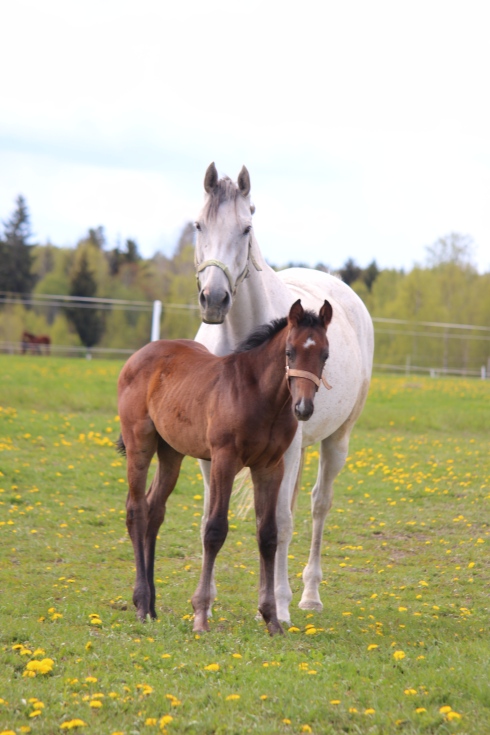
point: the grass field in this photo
(402, 644)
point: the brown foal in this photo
(175, 398)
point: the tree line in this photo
(447, 288)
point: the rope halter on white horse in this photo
(233, 286)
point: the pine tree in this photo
(15, 252)
(87, 321)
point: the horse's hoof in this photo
(311, 605)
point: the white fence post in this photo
(483, 372)
(155, 321)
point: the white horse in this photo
(237, 292)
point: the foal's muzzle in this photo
(303, 409)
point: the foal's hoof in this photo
(201, 624)
(274, 627)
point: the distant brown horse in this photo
(242, 410)
(31, 343)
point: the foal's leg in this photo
(266, 489)
(223, 471)
(166, 475)
(141, 443)
(333, 453)
(205, 466)
(284, 517)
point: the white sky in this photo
(365, 125)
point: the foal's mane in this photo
(224, 190)
(265, 332)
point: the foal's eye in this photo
(197, 226)
(247, 229)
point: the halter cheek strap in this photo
(233, 286)
(292, 373)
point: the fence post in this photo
(155, 320)
(483, 372)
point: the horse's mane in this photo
(266, 331)
(224, 190)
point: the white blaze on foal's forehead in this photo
(309, 343)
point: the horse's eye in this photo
(247, 229)
(197, 226)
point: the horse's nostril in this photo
(226, 299)
(202, 299)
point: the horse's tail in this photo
(297, 484)
(120, 446)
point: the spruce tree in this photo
(87, 320)
(15, 252)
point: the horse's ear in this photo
(211, 178)
(326, 313)
(296, 313)
(244, 182)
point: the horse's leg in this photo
(223, 471)
(333, 453)
(141, 443)
(164, 481)
(266, 489)
(206, 474)
(284, 517)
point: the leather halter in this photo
(292, 373)
(233, 286)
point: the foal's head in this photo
(306, 354)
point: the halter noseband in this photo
(292, 373)
(233, 286)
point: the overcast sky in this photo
(365, 125)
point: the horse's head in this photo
(223, 242)
(306, 354)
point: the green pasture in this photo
(402, 645)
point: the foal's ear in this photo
(296, 313)
(244, 182)
(211, 178)
(326, 313)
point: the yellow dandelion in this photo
(70, 724)
(369, 711)
(165, 720)
(91, 679)
(211, 667)
(306, 728)
(399, 655)
(453, 716)
(445, 709)
(419, 710)
(335, 701)
(236, 655)
(293, 629)
(95, 703)
(372, 646)
(151, 721)
(232, 697)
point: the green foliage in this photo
(401, 645)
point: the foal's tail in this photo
(120, 446)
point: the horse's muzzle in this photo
(215, 305)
